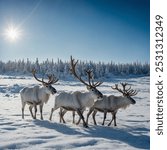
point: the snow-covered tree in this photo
(61, 69)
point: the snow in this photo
(132, 131)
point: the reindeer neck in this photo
(43, 94)
(47, 97)
(85, 98)
(122, 102)
(86, 95)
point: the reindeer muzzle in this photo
(134, 102)
(54, 91)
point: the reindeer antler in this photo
(89, 74)
(73, 71)
(124, 86)
(127, 92)
(52, 78)
(132, 92)
(116, 88)
(33, 73)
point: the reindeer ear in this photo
(88, 87)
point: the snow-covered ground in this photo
(132, 131)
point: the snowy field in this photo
(132, 131)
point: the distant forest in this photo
(61, 68)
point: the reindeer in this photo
(113, 103)
(37, 95)
(89, 103)
(77, 101)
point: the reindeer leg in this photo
(88, 114)
(23, 106)
(62, 117)
(52, 110)
(105, 113)
(41, 108)
(78, 121)
(30, 108)
(82, 117)
(35, 107)
(111, 119)
(93, 115)
(79, 117)
(115, 124)
(73, 114)
(62, 113)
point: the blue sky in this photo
(97, 30)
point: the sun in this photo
(12, 33)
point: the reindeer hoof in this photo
(50, 118)
(86, 126)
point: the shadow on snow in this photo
(122, 135)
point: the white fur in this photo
(109, 104)
(75, 101)
(33, 96)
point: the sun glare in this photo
(12, 33)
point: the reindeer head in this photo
(126, 92)
(91, 86)
(48, 85)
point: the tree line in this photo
(61, 68)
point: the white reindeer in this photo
(113, 103)
(88, 103)
(37, 95)
(76, 101)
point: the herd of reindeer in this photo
(77, 101)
